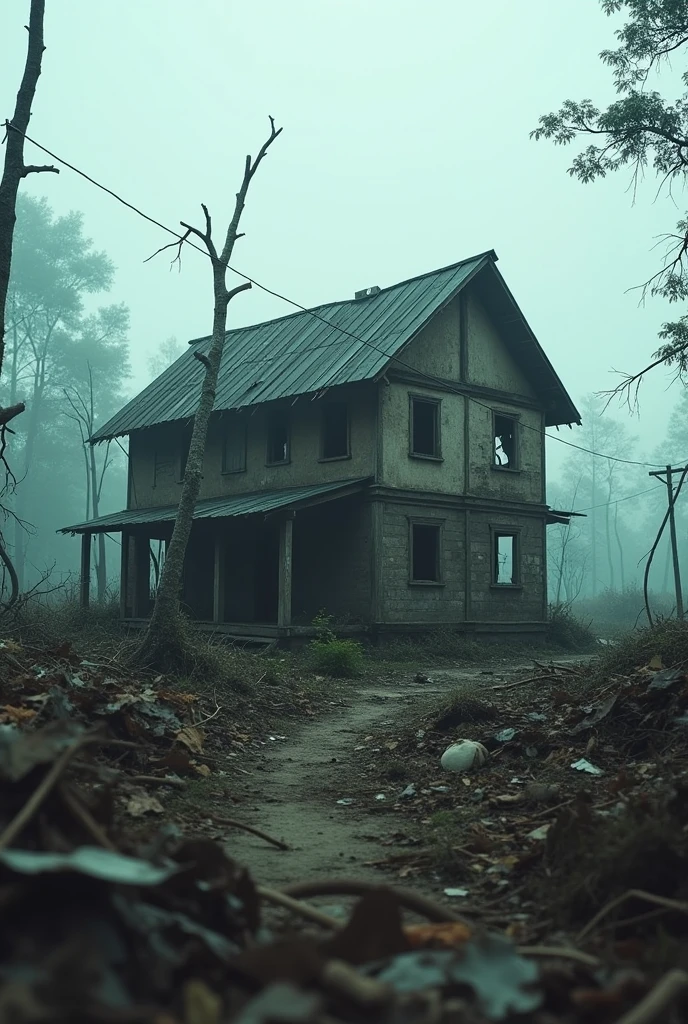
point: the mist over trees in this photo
(67, 358)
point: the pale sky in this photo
(405, 148)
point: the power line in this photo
(606, 504)
(304, 309)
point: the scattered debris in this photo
(583, 765)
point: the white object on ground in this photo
(464, 756)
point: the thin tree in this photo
(163, 645)
(13, 172)
(15, 169)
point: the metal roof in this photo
(222, 508)
(338, 343)
(300, 353)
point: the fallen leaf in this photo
(18, 715)
(143, 803)
(192, 738)
(655, 662)
(88, 860)
(202, 769)
(447, 933)
(201, 1004)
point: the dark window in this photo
(234, 447)
(505, 559)
(505, 441)
(335, 431)
(425, 553)
(425, 428)
(278, 439)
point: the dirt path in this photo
(296, 788)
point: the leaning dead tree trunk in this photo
(163, 645)
(14, 170)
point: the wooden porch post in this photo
(285, 571)
(219, 579)
(85, 569)
(124, 575)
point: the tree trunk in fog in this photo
(593, 528)
(620, 547)
(163, 645)
(608, 530)
(15, 169)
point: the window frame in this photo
(439, 526)
(271, 417)
(242, 425)
(437, 403)
(497, 531)
(323, 413)
(516, 420)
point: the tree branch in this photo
(250, 169)
(239, 288)
(14, 581)
(38, 169)
(10, 412)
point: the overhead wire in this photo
(627, 497)
(445, 385)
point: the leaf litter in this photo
(152, 925)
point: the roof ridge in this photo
(345, 302)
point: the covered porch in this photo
(257, 565)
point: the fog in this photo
(405, 148)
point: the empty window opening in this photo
(425, 553)
(505, 442)
(505, 561)
(335, 431)
(234, 448)
(278, 439)
(425, 428)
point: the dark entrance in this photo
(267, 573)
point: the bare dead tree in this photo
(163, 644)
(83, 414)
(13, 172)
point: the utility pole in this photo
(661, 474)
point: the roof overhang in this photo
(563, 518)
(239, 505)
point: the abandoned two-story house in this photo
(382, 458)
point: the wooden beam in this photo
(141, 576)
(285, 571)
(85, 588)
(124, 575)
(219, 579)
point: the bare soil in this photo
(293, 791)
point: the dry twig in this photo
(639, 894)
(249, 828)
(84, 816)
(353, 887)
(657, 1002)
(298, 907)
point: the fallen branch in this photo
(657, 1002)
(24, 816)
(352, 887)
(523, 682)
(249, 828)
(640, 894)
(83, 815)
(298, 907)
(564, 952)
(156, 780)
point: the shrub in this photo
(566, 631)
(340, 659)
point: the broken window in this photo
(335, 431)
(505, 441)
(425, 427)
(278, 439)
(425, 553)
(234, 448)
(505, 559)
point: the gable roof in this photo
(333, 344)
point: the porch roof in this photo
(222, 508)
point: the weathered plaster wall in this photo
(397, 467)
(484, 480)
(489, 361)
(490, 603)
(402, 601)
(153, 452)
(436, 348)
